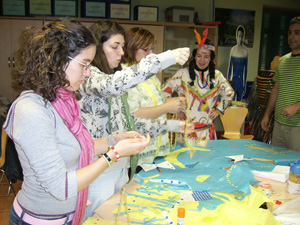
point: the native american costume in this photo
(202, 99)
(201, 95)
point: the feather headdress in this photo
(200, 42)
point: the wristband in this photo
(107, 159)
(115, 151)
(111, 140)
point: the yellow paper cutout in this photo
(202, 178)
(142, 205)
(172, 156)
(234, 212)
(93, 221)
(238, 208)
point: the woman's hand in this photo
(181, 116)
(189, 128)
(132, 145)
(129, 134)
(176, 104)
(213, 114)
(181, 55)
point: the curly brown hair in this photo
(102, 31)
(43, 56)
(136, 38)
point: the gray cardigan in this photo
(48, 153)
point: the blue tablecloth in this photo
(221, 173)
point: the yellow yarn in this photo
(174, 117)
(187, 115)
(123, 197)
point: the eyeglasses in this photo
(148, 49)
(85, 65)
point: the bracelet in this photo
(107, 159)
(115, 151)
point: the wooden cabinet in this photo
(167, 36)
(10, 30)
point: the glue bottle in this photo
(180, 216)
(293, 183)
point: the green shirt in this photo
(287, 75)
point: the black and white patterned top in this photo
(97, 88)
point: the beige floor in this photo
(5, 199)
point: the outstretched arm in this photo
(172, 105)
(104, 85)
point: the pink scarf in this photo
(69, 110)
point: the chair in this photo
(4, 140)
(233, 120)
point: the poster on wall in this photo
(231, 19)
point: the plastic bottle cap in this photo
(295, 167)
(181, 212)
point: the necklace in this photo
(200, 74)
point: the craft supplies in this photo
(293, 183)
(180, 216)
(189, 143)
(159, 170)
(192, 196)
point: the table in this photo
(153, 197)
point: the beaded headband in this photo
(201, 41)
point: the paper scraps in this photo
(191, 196)
(238, 158)
(164, 164)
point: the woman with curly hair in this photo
(202, 84)
(54, 147)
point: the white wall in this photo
(204, 9)
(201, 6)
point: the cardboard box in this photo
(94, 8)
(180, 14)
(146, 13)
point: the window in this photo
(274, 35)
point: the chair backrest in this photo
(4, 140)
(233, 120)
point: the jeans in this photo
(14, 219)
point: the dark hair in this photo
(136, 38)
(43, 55)
(240, 28)
(294, 20)
(211, 65)
(102, 32)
